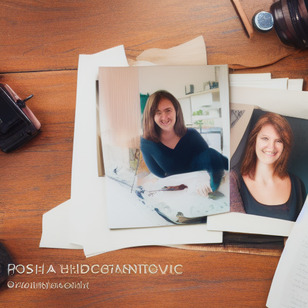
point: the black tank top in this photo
(287, 211)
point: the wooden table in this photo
(40, 44)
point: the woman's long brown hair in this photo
(151, 131)
(284, 130)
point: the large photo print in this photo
(165, 143)
(269, 168)
(268, 171)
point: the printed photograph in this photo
(269, 168)
(165, 135)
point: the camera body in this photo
(5, 260)
(18, 124)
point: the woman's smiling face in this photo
(269, 145)
(165, 115)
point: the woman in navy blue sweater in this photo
(169, 148)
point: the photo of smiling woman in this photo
(169, 147)
(263, 186)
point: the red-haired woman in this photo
(264, 186)
(169, 148)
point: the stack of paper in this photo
(285, 96)
(265, 81)
(290, 285)
(280, 95)
(81, 222)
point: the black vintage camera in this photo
(5, 260)
(290, 20)
(18, 124)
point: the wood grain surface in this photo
(40, 44)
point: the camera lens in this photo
(291, 22)
(280, 24)
(303, 11)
